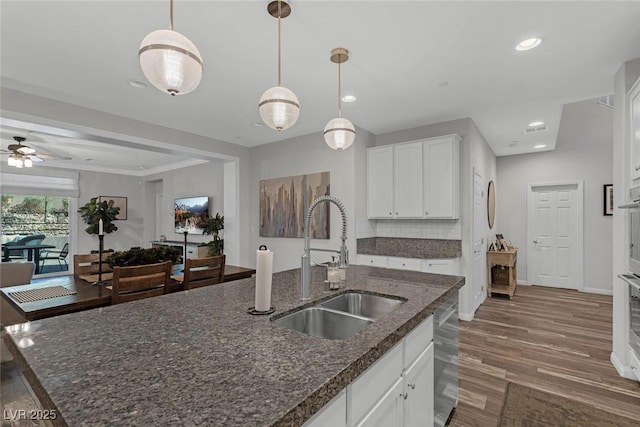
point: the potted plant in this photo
(212, 227)
(94, 211)
(143, 256)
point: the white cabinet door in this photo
(372, 260)
(418, 396)
(380, 182)
(407, 170)
(441, 177)
(404, 263)
(333, 414)
(634, 99)
(387, 412)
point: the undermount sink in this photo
(339, 317)
(367, 305)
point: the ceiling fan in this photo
(24, 156)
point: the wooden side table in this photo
(502, 272)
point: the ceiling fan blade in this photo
(26, 150)
(51, 157)
(36, 159)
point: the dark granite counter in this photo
(198, 358)
(410, 248)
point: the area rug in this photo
(524, 406)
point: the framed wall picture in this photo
(608, 199)
(120, 202)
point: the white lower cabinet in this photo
(372, 260)
(332, 414)
(418, 391)
(440, 266)
(387, 411)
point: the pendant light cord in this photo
(339, 92)
(171, 17)
(279, 41)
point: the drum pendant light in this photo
(339, 133)
(279, 107)
(170, 61)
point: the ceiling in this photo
(412, 63)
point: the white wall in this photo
(304, 155)
(624, 79)
(583, 151)
(206, 179)
(474, 152)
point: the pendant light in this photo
(279, 107)
(339, 133)
(170, 61)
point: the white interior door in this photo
(479, 253)
(554, 224)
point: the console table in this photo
(193, 249)
(502, 273)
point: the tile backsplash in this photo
(417, 229)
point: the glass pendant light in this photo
(279, 107)
(339, 133)
(11, 161)
(28, 163)
(170, 61)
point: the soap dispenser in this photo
(333, 274)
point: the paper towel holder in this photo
(252, 310)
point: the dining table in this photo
(83, 293)
(33, 253)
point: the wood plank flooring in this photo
(554, 340)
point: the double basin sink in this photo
(340, 317)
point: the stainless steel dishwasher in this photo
(446, 360)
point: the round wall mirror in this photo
(491, 203)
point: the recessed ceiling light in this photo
(528, 44)
(540, 146)
(513, 143)
(137, 84)
(257, 124)
(348, 98)
(534, 124)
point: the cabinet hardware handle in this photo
(535, 242)
(637, 168)
(404, 395)
(412, 385)
(396, 213)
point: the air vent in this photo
(535, 129)
(606, 102)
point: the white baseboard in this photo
(598, 291)
(523, 283)
(623, 371)
(466, 316)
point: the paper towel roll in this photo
(264, 273)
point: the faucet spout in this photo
(305, 278)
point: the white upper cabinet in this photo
(418, 179)
(380, 182)
(442, 177)
(407, 184)
(634, 107)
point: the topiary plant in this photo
(93, 211)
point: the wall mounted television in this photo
(190, 214)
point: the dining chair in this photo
(86, 264)
(206, 271)
(60, 256)
(140, 281)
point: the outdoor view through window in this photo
(36, 221)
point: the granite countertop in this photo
(197, 357)
(410, 247)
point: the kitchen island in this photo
(198, 358)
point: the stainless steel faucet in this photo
(305, 278)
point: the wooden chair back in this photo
(140, 281)
(85, 264)
(204, 271)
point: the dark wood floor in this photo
(554, 340)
